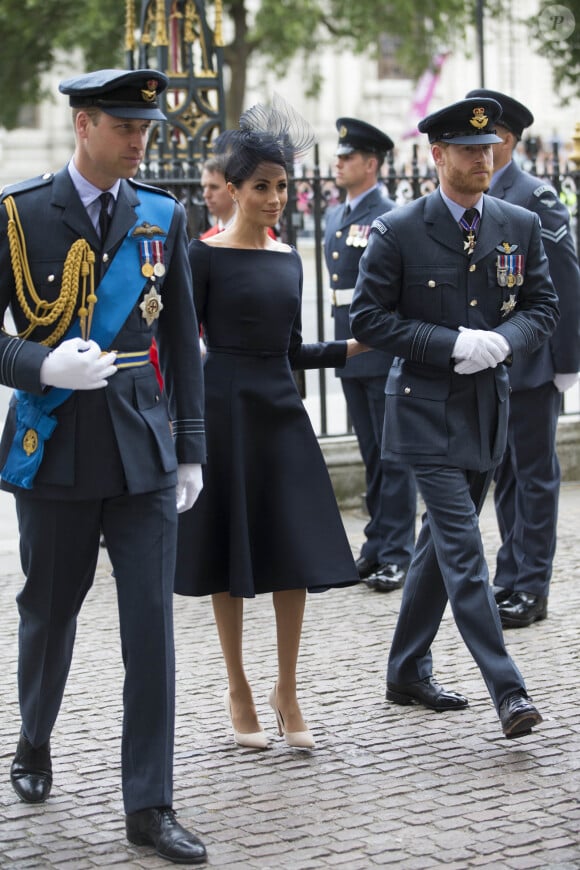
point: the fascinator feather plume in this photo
(273, 132)
(281, 121)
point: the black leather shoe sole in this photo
(140, 840)
(158, 827)
(405, 696)
(511, 621)
(385, 585)
(521, 726)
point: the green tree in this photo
(556, 32)
(283, 29)
(33, 31)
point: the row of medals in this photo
(510, 270)
(152, 265)
(358, 235)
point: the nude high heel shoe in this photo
(254, 740)
(299, 739)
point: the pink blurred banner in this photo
(424, 92)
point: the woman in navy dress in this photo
(267, 518)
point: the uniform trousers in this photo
(59, 546)
(449, 565)
(391, 494)
(527, 487)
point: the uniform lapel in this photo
(74, 214)
(363, 210)
(491, 229)
(506, 180)
(440, 224)
(124, 215)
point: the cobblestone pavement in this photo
(386, 786)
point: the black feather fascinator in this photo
(273, 133)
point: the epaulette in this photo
(152, 187)
(28, 184)
(547, 195)
(380, 226)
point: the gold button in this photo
(407, 390)
(335, 277)
(339, 234)
(431, 283)
(335, 255)
(50, 278)
(473, 267)
(474, 303)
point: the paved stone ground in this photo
(385, 787)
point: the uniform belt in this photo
(341, 297)
(131, 359)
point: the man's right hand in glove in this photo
(77, 365)
(478, 349)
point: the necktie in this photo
(346, 211)
(469, 223)
(104, 215)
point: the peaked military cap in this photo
(356, 135)
(468, 122)
(515, 116)
(119, 92)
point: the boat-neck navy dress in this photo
(267, 518)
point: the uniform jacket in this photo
(118, 438)
(416, 286)
(342, 261)
(562, 352)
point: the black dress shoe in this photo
(427, 692)
(522, 609)
(500, 593)
(387, 578)
(365, 568)
(31, 771)
(518, 716)
(159, 828)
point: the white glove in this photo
(478, 349)
(202, 347)
(563, 382)
(188, 487)
(77, 365)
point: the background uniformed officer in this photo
(390, 489)
(527, 481)
(439, 289)
(94, 265)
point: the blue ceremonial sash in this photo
(118, 292)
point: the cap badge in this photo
(149, 93)
(342, 132)
(479, 119)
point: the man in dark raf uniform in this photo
(527, 481)
(94, 265)
(456, 285)
(390, 489)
